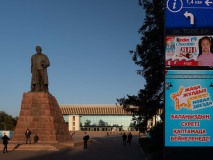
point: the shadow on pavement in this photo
(103, 148)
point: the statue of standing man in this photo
(39, 64)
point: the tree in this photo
(7, 122)
(149, 55)
(102, 123)
(87, 123)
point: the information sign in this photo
(189, 14)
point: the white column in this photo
(70, 122)
(77, 122)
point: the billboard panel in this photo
(189, 51)
(189, 108)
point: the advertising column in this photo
(188, 79)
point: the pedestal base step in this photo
(43, 146)
(38, 147)
(10, 147)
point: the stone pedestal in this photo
(40, 113)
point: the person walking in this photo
(5, 139)
(27, 135)
(129, 138)
(85, 138)
(124, 138)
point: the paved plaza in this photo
(103, 148)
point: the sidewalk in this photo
(76, 141)
(103, 148)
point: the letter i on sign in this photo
(174, 4)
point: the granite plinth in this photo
(40, 113)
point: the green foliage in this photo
(149, 56)
(87, 123)
(102, 123)
(7, 121)
(142, 126)
(157, 133)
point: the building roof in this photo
(93, 109)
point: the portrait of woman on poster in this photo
(205, 57)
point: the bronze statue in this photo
(39, 64)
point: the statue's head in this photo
(38, 49)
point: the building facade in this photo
(97, 118)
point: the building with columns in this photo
(97, 117)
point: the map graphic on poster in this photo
(189, 108)
(189, 51)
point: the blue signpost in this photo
(189, 14)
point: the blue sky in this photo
(87, 42)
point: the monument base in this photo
(40, 113)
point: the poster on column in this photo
(189, 108)
(189, 51)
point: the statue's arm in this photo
(31, 64)
(47, 62)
